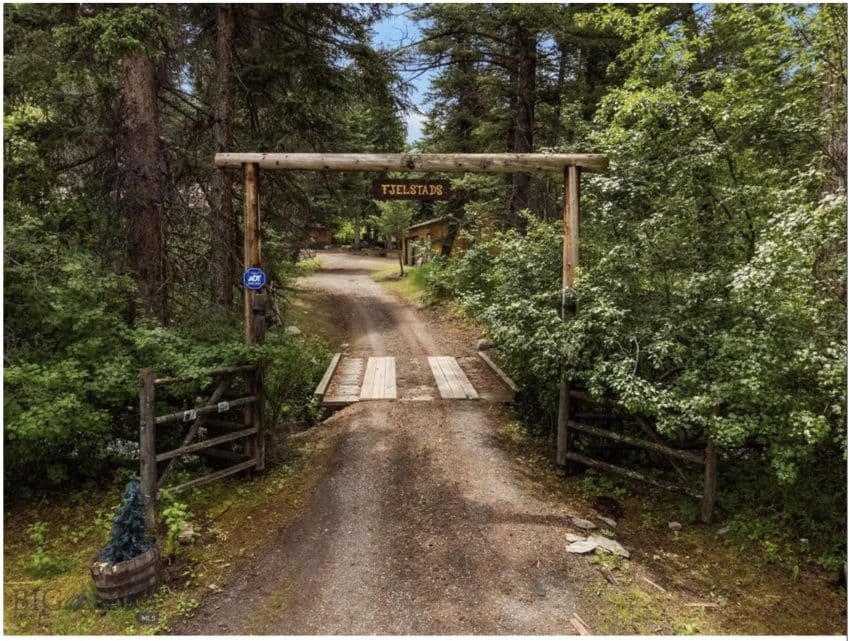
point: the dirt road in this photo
(421, 524)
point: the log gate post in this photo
(254, 308)
(147, 443)
(572, 179)
(251, 241)
(709, 489)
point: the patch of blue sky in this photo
(399, 30)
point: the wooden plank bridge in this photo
(351, 379)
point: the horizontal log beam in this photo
(177, 417)
(322, 387)
(637, 442)
(202, 445)
(211, 477)
(173, 379)
(482, 163)
(616, 469)
(507, 380)
(212, 372)
(584, 396)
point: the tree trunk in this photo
(834, 100)
(523, 117)
(356, 244)
(469, 110)
(223, 240)
(451, 235)
(142, 182)
(559, 98)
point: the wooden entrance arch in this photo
(570, 165)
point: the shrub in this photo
(128, 538)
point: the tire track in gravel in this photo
(421, 523)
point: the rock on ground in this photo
(584, 524)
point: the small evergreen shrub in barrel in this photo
(129, 564)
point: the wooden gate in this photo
(579, 412)
(202, 429)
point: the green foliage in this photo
(175, 516)
(594, 484)
(72, 360)
(711, 299)
(394, 218)
(689, 512)
(128, 538)
(293, 366)
(607, 560)
(74, 335)
(712, 289)
(392, 222)
(43, 563)
(114, 32)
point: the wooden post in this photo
(255, 311)
(147, 443)
(572, 176)
(251, 242)
(256, 383)
(709, 490)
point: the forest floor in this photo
(443, 517)
(411, 517)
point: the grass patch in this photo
(760, 583)
(49, 545)
(307, 266)
(411, 285)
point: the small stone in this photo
(213, 587)
(187, 534)
(674, 525)
(723, 531)
(291, 330)
(584, 524)
(539, 590)
(582, 547)
(572, 538)
(483, 345)
(609, 544)
(607, 521)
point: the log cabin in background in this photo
(320, 238)
(429, 234)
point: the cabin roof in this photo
(425, 223)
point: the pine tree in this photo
(128, 538)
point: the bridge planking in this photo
(379, 382)
(451, 381)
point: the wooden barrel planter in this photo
(128, 578)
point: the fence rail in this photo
(707, 458)
(155, 468)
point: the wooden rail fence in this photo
(206, 429)
(577, 421)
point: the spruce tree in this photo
(128, 538)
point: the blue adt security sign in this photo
(254, 278)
